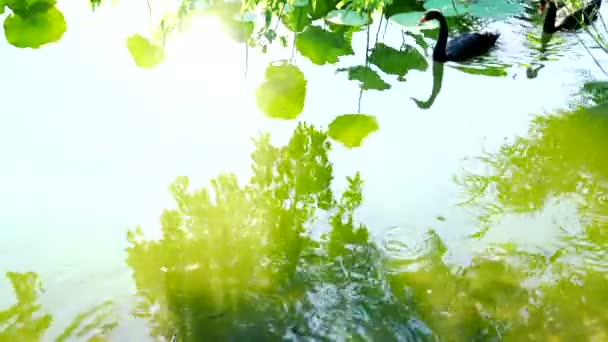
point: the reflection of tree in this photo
(243, 262)
(20, 321)
(25, 321)
(240, 261)
(506, 294)
(563, 155)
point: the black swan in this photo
(461, 47)
(563, 19)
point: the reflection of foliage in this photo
(101, 322)
(367, 76)
(32, 24)
(563, 154)
(23, 321)
(501, 296)
(562, 157)
(19, 322)
(322, 46)
(239, 261)
(283, 92)
(144, 53)
(596, 91)
(396, 62)
(351, 129)
(487, 69)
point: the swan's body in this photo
(462, 47)
(566, 19)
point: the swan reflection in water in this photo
(437, 81)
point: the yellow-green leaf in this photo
(36, 29)
(145, 54)
(351, 129)
(282, 95)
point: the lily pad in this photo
(145, 54)
(283, 93)
(492, 70)
(397, 62)
(367, 76)
(351, 129)
(447, 7)
(319, 9)
(492, 9)
(347, 18)
(34, 29)
(409, 21)
(321, 46)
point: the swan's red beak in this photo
(541, 8)
(423, 20)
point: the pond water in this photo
(496, 186)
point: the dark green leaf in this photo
(396, 62)
(322, 46)
(369, 78)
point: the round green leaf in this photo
(351, 129)
(321, 46)
(283, 93)
(410, 21)
(34, 30)
(145, 54)
(347, 18)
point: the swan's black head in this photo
(431, 15)
(542, 4)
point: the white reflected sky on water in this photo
(89, 142)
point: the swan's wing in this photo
(471, 44)
(561, 16)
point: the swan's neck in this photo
(549, 24)
(439, 53)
